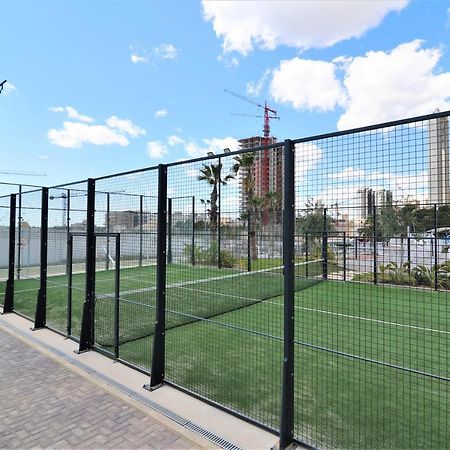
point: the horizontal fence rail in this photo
(301, 285)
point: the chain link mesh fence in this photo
(371, 280)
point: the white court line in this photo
(218, 278)
(384, 322)
(349, 316)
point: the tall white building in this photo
(369, 197)
(438, 167)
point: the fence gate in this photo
(106, 288)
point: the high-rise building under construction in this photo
(267, 169)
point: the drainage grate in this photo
(223, 443)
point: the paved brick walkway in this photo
(45, 404)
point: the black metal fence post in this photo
(87, 322)
(325, 246)
(345, 256)
(169, 231)
(159, 351)
(19, 234)
(40, 318)
(375, 262)
(69, 284)
(249, 244)
(356, 247)
(141, 228)
(219, 219)
(8, 304)
(287, 395)
(108, 221)
(193, 232)
(117, 300)
(436, 256)
(67, 226)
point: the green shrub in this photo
(208, 256)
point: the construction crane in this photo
(269, 114)
(28, 174)
(2, 85)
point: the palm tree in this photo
(273, 201)
(272, 204)
(212, 174)
(244, 164)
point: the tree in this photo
(311, 221)
(311, 224)
(272, 202)
(212, 174)
(389, 224)
(244, 165)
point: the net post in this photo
(108, 204)
(87, 322)
(325, 246)
(69, 284)
(307, 254)
(40, 318)
(169, 232)
(345, 256)
(19, 234)
(356, 247)
(141, 228)
(193, 232)
(436, 256)
(116, 299)
(375, 263)
(287, 395)
(249, 245)
(8, 304)
(408, 251)
(158, 355)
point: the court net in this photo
(189, 301)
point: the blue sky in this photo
(99, 86)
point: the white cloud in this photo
(244, 25)
(255, 87)
(215, 145)
(377, 87)
(8, 88)
(349, 173)
(75, 134)
(161, 113)
(175, 140)
(307, 84)
(307, 157)
(136, 59)
(230, 63)
(351, 179)
(166, 51)
(383, 86)
(125, 126)
(72, 113)
(193, 173)
(156, 149)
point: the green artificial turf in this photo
(348, 337)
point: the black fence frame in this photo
(164, 256)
